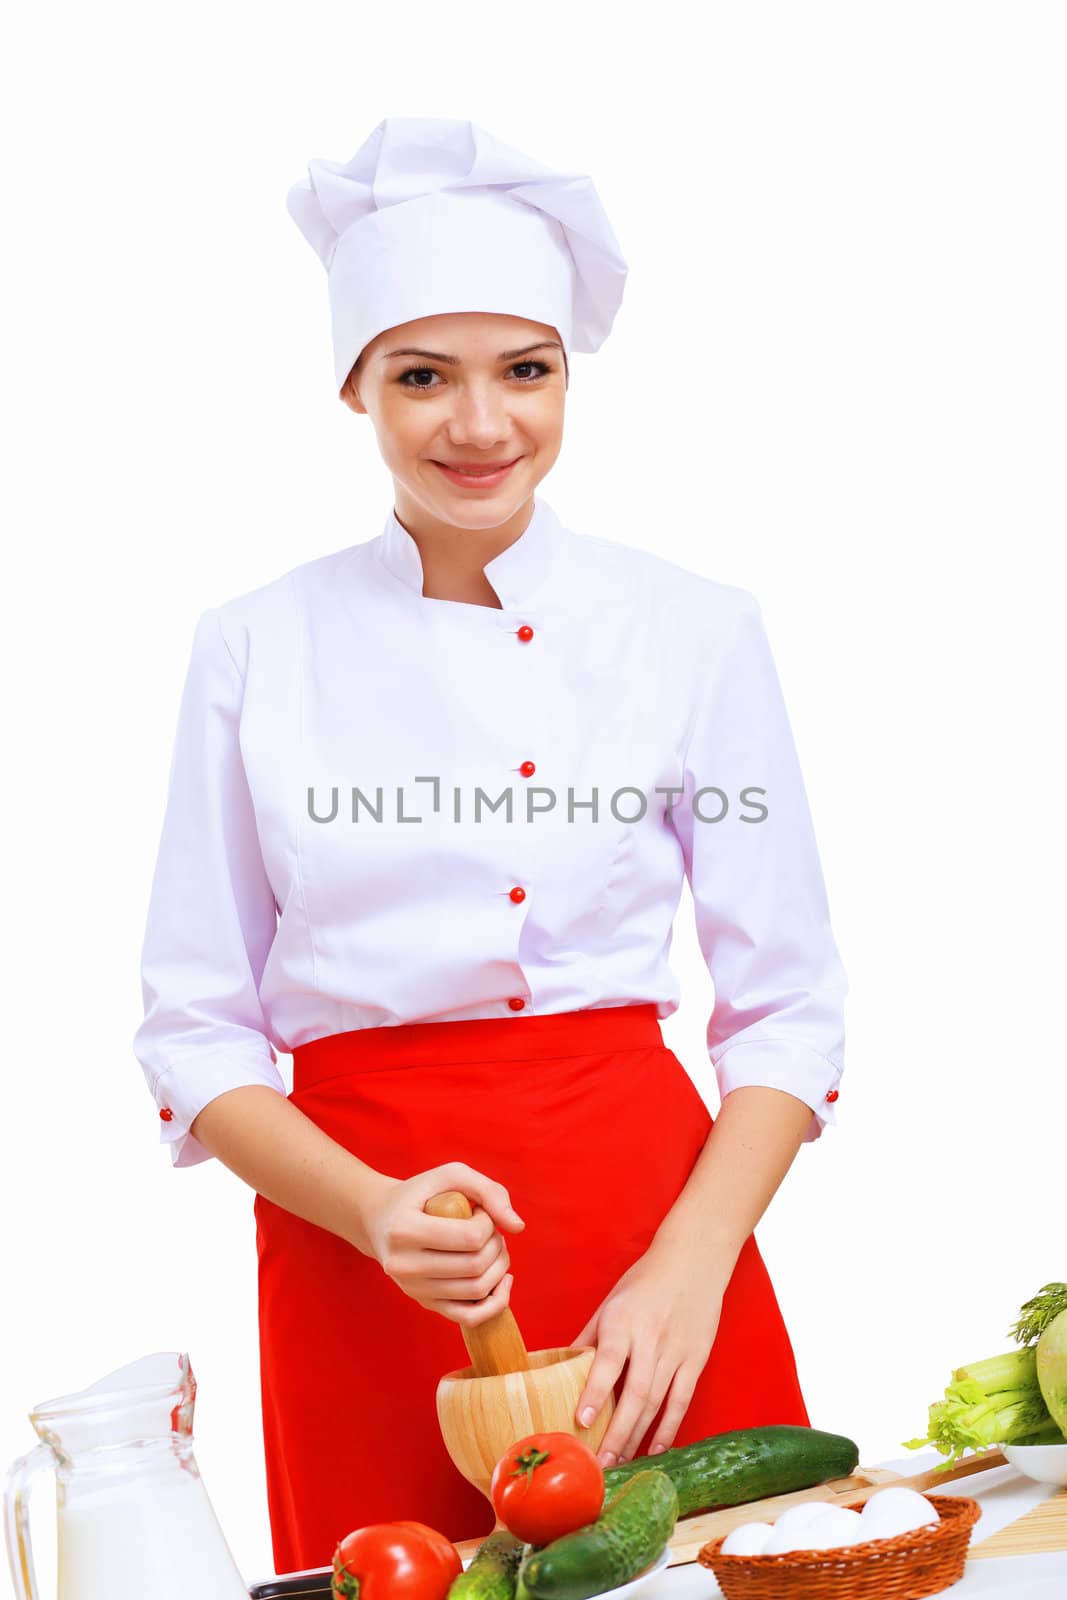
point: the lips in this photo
(486, 475)
(473, 469)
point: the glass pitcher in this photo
(133, 1516)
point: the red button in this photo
(166, 1115)
(525, 632)
(518, 1004)
(518, 894)
(527, 769)
(832, 1095)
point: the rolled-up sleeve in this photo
(762, 914)
(212, 915)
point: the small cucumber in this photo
(728, 1469)
(634, 1526)
(493, 1571)
(521, 1591)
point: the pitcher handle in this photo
(17, 1519)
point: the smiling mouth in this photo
(483, 470)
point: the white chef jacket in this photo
(336, 851)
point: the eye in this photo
(542, 368)
(416, 372)
(538, 369)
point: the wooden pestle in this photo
(495, 1346)
(507, 1392)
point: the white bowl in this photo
(1045, 1463)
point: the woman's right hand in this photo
(455, 1266)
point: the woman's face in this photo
(465, 388)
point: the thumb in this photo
(492, 1197)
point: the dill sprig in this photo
(1036, 1314)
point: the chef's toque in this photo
(432, 214)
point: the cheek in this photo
(543, 418)
(404, 430)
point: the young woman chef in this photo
(432, 799)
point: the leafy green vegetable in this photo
(998, 1401)
(1048, 1433)
(989, 1402)
(1036, 1314)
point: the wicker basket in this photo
(909, 1566)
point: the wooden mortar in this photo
(508, 1391)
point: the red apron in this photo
(593, 1126)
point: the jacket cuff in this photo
(185, 1087)
(782, 1063)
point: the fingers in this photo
(465, 1284)
(638, 1394)
(470, 1314)
(603, 1374)
(681, 1394)
(440, 1265)
(585, 1408)
(630, 1441)
(479, 1189)
(455, 1265)
(681, 1391)
(448, 1275)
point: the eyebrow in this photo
(454, 361)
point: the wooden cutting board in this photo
(1042, 1529)
(692, 1532)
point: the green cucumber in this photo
(493, 1570)
(632, 1529)
(521, 1591)
(728, 1469)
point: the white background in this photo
(837, 379)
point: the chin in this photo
(490, 514)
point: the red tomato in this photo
(547, 1485)
(394, 1561)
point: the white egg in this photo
(834, 1527)
(749, 1539)
(897, 1510)
(801, 1514)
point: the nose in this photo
(479, 417)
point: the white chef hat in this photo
(432, 214)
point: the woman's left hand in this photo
(661, 1317)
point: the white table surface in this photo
(1003, 1494)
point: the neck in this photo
(453, 557)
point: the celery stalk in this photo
(996, 1401)
(1017, 1369)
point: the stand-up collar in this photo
(516, 574)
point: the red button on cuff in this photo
(831, 1095)
(525, 632)
(166, 1115)
(518, 1004)
(518, 894)
(527, 769)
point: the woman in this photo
(469, 967)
